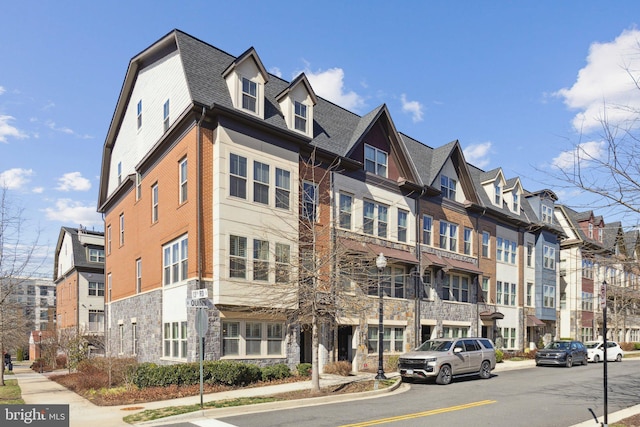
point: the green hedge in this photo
(221, 372)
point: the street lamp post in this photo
(381, 263)
(40, 349)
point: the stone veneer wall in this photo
(146, 308)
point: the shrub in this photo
(275, 372)
(636, 345)
(231, 373)
(499, 355)
(304, 369)
(392, 363)
(338, 368)
(61, 361)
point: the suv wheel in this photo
(485, 370)
(444, 376)
(569, 362)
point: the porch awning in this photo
(451, 263)
(534, 321)
(375, 250)
(491, 315)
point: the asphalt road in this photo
(536, 397)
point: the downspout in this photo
(479, 285)
(417, 307)
(199, 195)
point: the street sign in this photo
(199, 293)
(198, 303)
(603, 295)
(202, 323)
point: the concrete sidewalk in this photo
(39, 389)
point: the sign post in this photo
(199, 301)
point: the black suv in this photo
(565, 353)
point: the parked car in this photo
(595, 351)
(446, 358)
(567, 353)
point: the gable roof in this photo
(80, 260)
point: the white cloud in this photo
(16, 178)
(73, 212)
(477, 154)
(413, 107)
(7, 129)
(329, 84)
(52, 125)
(73, 181)
(38, 190)
(583, 154)
(2, 90)
(276, 71)
(605, 80)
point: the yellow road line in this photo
(420, 414)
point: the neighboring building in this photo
(591, 254)
(36, 298)
(79, 279)
(218, 175)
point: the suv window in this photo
(471, 345)
(487, 344)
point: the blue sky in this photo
(518, 83)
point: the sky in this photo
(520, 84)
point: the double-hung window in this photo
(448, 187)
(549, 257)
(121, 229)
(392, 339)
(96, 289)
(260, 183)
(375, 161)
(238, 176)
(283, 258)
(175, 340)
(96, 320)
(249, 95)
(458, 286)
(375, 219)
(138, 275)
(165, 115)
(427, 230)
(139, 114)
(516, 203)
(230, 338)
(119, 173)
(283, 188)
(183, 180)
(237, 257)
(549, 297)
(547, 214)
(309, 201)
(499, 248)
(175, 261)
(497, 188)
(300, 116)
(96, 255)
(402, 225)
(345, 209)
(154, 203)
(252, 338)
(468, 236)
(485, 244)
(260, 260)
(448, 236)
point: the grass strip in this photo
(154, 414)
(10, 394)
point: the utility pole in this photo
(603, 305)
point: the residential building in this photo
(79, 279)
(35, 298)
(219, 178)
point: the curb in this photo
(397, 387)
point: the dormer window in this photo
(498, 194)
(516, 203)
(300, 116)
(448, 187)
(547, 214)
(600, 234)
(591, 231)
(375, 160)
(249, 95)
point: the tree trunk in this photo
(315, 361)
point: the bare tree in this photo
(319, 282)
(16, 266)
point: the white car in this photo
(595, 351)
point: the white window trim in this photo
(264, 339)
